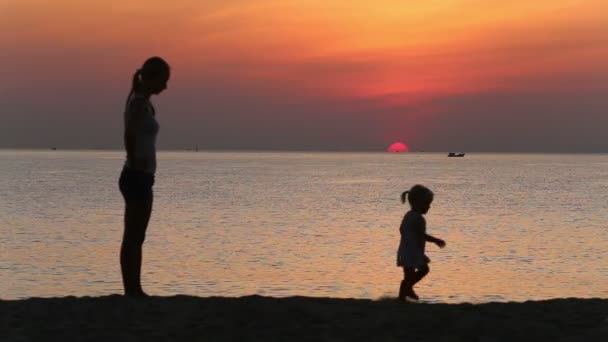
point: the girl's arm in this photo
(435, 240)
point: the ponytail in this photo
(403, 196)
(134, 83)
(151, 68)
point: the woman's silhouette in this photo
(137, 177)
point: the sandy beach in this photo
(255, 318)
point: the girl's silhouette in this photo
(410, 254)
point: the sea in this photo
(518, 226)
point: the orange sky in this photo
(390, 52)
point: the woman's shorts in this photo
(135, 184)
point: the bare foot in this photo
(411, 294)
(137, 294)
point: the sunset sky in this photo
(470, 75)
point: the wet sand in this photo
(255, 318)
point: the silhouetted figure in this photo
(137, 177)
(410, 254)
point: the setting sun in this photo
(398, 147)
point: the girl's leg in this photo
(403, 286)
(137, 216)
(412, 276)
(406, 288)
(402, 290)
(421, 272)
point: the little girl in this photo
(410, 254)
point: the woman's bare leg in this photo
(137, 217)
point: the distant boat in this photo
(456, 154)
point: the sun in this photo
(398, 147)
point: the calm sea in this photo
(518, 226)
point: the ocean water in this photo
(518, 226)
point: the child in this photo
(410, 254)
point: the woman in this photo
(137, 177)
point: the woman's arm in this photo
(136, 110)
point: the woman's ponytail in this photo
(152, 68)
(403, 196)
(134, 83)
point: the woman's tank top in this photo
(146, 131)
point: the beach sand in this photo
(255, 318)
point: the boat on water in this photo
(456, 154)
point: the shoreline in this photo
(257, 318)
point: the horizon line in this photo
(220, 150)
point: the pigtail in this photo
(403, 196)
